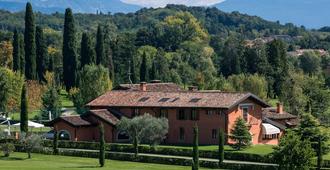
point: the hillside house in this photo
(209, 110)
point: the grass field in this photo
(18, 161)
(65, 101)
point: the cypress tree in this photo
(136, 146)
(111, 66)
(41, 54)
(30, 44)
(69, 51)
(195, 163)
(22, 52)
(55, 143)
(153, 72)
(319, 153)
(16, 52)
(102, 146)
(143, 69)
(87, 53)
(24, 111)
(221, 146)
(100, 52)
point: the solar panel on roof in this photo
(175, 99)
(195, 100)
(164, 99)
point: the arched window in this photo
(64, 135)
(122, 136)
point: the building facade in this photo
(209, 110)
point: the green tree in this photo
(42, 56)
(51, 102)
(55, 143)
(232, 54)
(292, 153)
(319, 154)
(22, 53)
(30, 142)
(144, 128)
(87, 51)
(100, 51)
(24, 111)
(310, 63)
(195, 161)
(240, 134)
(30, 44)
(88, 91)
(221, 146)
(69, 52)
(143, 69)
(16, 52)
(102, 146)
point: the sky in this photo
(162, 3)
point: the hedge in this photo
(151, 159)
(163, 151)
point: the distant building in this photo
(209, 110)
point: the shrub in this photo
(7, 148)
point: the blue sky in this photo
(162, 3)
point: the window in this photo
(181, 115)
(245, 113)
(143, 99)
(164, 99)
(210, 112)
(273, 136)
(163, 113)
(214, 134)
(135, 112)
(194, 114)
(195, 100)
(181, 135)
(174, 100)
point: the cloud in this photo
(162, 3)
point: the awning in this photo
(268, 129)
(31, 124)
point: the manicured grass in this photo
(17, 129)
(16, 115)
(255, 149)
(65, 100)
(18, 161)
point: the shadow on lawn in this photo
(3, 158)
(81, 167)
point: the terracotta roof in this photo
(72, 120)
(271, 113)
(105, 115)
(165, 87)
(172, 99)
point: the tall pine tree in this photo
(100, 52)
(111, 66)
(102, 146)
(70, 65)
(30, 44)
(41, 51)
(16, 52)
(22, 52)
(24, 111)
(143, 69)
(87, 53)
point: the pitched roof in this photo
(105, 115)
(75, 120)
(197, 99)
(271, 113)
(165, 87)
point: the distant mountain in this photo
(310, 13)
(82, 6)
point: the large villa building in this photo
(209, 110)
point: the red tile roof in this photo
(201, 99)
(105, 115)
(271, 113)
(76, 120)
(165, 87)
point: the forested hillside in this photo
(198, 46)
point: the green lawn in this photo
(18, 161)
(255, 149)
(66, 102)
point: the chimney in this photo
(279, 108)
(143, 86)
(193, 88)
